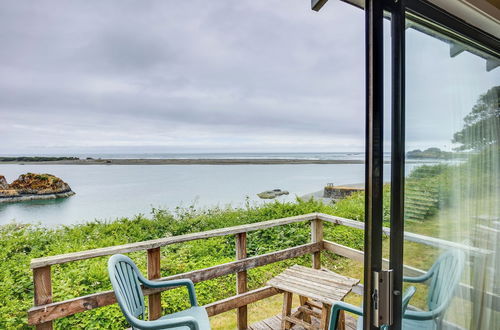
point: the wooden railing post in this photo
(316, 236)
(43, 292)
(154, 300)
(241, 279)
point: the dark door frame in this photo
(374, 154)
(398, 24)
(432, 18)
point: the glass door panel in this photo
(452, 188)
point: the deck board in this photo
(274, 323)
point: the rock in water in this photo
(3, 183)
(270, 194)
(39, 184)
(5, 190)
(32, 186)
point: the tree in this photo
(482, 125)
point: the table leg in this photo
(303, 302)
(325, 317)
(287, 310)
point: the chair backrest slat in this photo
(123, 280)
(124, 277)
(447, 271)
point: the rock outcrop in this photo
(32, 186)
(3, 183)
(270, 194)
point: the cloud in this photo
(220, 75)
(225, 74)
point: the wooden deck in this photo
(274, 323)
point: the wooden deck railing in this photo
(46, 311)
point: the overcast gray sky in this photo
(205, 76)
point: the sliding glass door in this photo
(452, 192)
(444, 82)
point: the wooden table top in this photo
(319, 284)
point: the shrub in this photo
(20, 243)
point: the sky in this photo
(209, 76)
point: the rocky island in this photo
(270, 194)
(32, 186)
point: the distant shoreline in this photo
(185, 161)
(199, 161)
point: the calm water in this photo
(108, 192)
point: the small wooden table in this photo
(318, 289)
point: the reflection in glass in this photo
(453, 127)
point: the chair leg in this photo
(287, 310)
(306, 317)
(325, 317)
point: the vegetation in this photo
(481, 124)
(20, 243)
(33, 183)
(430, 153)
(427, 190)
(430, 189)
(35, 159)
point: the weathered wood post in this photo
(316, 236)
(43, 292)
(241, 279)
(154, 300)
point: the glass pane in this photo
(452, 189)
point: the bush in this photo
(20, 243)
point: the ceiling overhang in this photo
(482, 14)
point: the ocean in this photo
(107, 192)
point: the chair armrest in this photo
(187, 321)
(421, 316)
(173, 283)
(417, 279)
(426, 315)
(342, 306)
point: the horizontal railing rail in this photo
(45, 311)
(411, 237)
(156, 243)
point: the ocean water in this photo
(107, 192)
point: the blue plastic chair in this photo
(444, 277)
(126, 280)
(343, 306)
